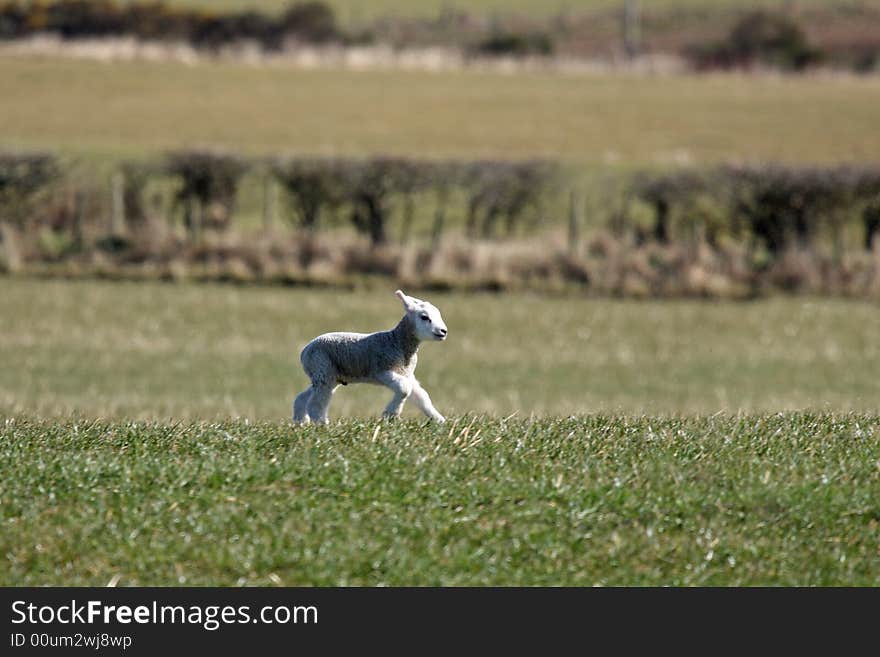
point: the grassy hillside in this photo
(785, 499)
(158, 351)
(137, 108)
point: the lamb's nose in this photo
(442, 332)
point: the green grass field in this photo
(144, 427)
(194, 475)
(783, 499)
(154, 351)
(132, 109)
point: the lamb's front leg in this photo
(401, 386)
(423, 401)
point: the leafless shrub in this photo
(504, 189)
(23, 176)
(312, 186)
(207, 187)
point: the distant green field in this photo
(129, 109)
(782, 499)
(154, 351)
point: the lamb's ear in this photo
(403, 298)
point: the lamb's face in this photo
(428, 322)
(425, 317)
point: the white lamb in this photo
(387, 358)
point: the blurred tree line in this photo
(204, 187)
(756, 38)
(311, 22)
(770, 206)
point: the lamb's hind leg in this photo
(300, 406)
(319, 402)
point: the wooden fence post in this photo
(117, 206)
(270, 203)
(437, 228)
(632, 28)
(573, 225)
(79, 209)
(409, 211)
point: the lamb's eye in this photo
(424, 317)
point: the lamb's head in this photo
(424, 317)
